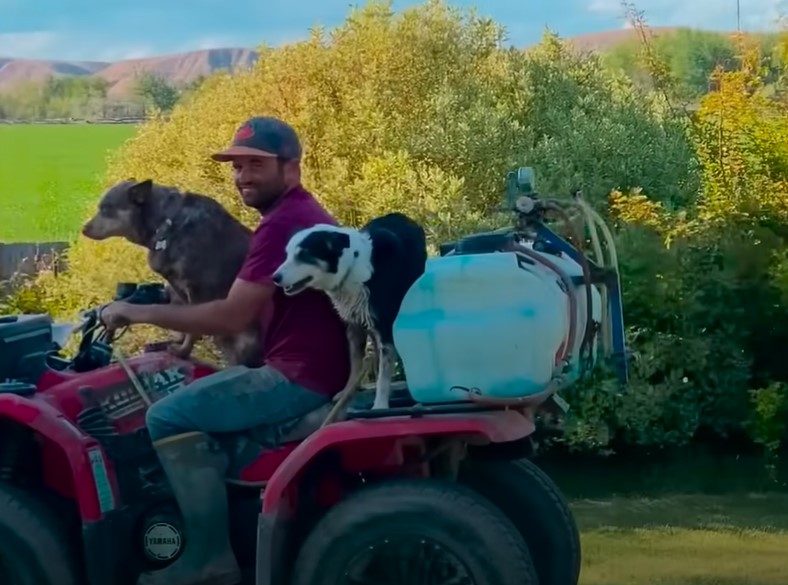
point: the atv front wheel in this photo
(414, 532)
(34, 549)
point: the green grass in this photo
(684, 540)
(49, 175)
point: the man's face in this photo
(260, 180)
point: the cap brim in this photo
(236, 151)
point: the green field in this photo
(49, 175)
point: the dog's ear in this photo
(385, 245)
(140, 191)
(338, 242)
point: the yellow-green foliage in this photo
(422, 112)
(739, 135)
(713, 309)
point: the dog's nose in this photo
(277, 278)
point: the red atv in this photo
(412, 495)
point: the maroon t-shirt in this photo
(303, 335)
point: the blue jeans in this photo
(235, 399)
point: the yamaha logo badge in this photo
(162, 541)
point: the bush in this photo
(423, 112)
(719, 287)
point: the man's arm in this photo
(233, 314)
(252, 290)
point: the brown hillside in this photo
(603, 41)
(177, 69)
(186, 67)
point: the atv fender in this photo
(355, 438)
(491, 427)
(66, 451)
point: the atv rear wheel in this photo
(34, 549)
(535, 504)
(414, 532)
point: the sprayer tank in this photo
(491, 323)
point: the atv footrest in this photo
(401, 403)
(418, 410)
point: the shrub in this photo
(717, 292)
(423, 112)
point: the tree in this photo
(729, 253)
(423, 111)
(56, 97)
(691, 57)
(155, 90)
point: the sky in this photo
(102, 30)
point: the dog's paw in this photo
(156, 346)
(380, 404)
(339, 395)
(179, 350)
(177, 337)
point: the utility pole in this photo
(738, 15)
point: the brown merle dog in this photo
(193, 242)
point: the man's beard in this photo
(268, 196)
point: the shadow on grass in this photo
(695, 519)
(683, 471)
(738, 512)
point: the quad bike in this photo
(417, 494)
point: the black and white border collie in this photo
(366, 274)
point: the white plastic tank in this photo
(488, 323)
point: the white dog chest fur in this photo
(352, 304)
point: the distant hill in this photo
(183, 68)
(177, 69)
(606, 40)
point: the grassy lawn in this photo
(49, 175)
(684, 540)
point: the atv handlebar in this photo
(136, 294)
(96, 350)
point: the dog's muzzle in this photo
(294, 288)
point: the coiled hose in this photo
(594, 223)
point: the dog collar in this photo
(160, 243)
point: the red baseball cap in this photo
(263, 136)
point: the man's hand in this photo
(118, 314)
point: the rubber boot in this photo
(195, 468)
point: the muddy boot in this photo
(195, 468)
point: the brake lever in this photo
(85, 318)
(109, 332)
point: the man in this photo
(305, 352)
